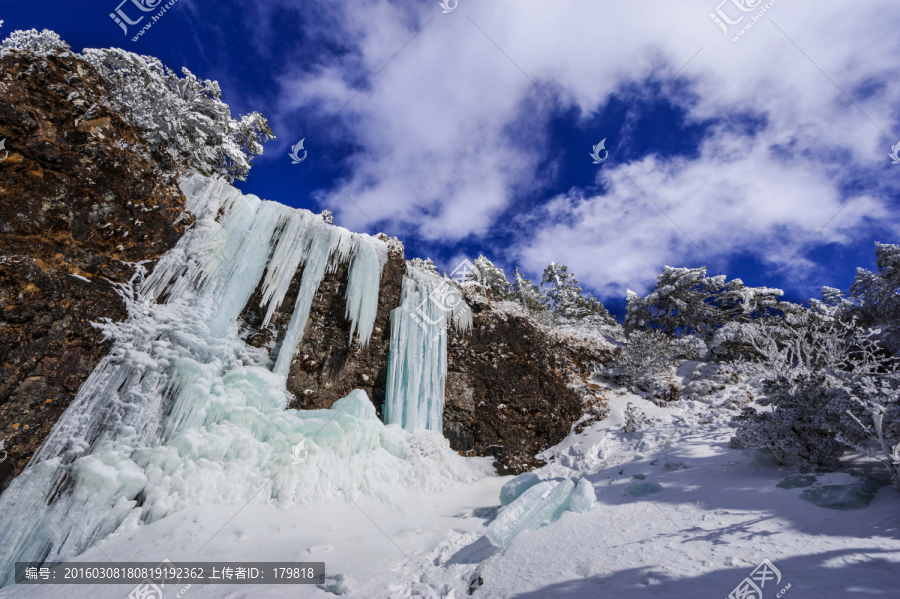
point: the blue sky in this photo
(470, 131)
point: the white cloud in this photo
(451, 130)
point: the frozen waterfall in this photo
(182, 412)
(417, 365)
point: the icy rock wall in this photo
(417, 363)
(182, 412)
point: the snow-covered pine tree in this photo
(876, 295)
(182, 120)
(562, 290)
(686, 300)
(566, 297)
(598, 311)
(527, 294)
(485, 273)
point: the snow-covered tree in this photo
(566, 297)
(527, 294)
(598, 311)
(182, 119)
(686, 300)
(830, 388)
(426, 265)
(877, 294)
(635, 419)
(42, 43)
(485, 273)
(562, 290)
(646, 352)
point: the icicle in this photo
(417, 363)
(369, 257)
(325, 240)
(293, 244)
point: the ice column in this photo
(417, 364)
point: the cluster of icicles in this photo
(182, 412)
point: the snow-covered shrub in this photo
(42, 43)
(485, 273)
(425, 265)
(327, 217)
(874, 297)
(831, 388)
(566, 298)
(738, 341)
(646, 352)
(685, 300)
(527, 294)
(662, 388)
(182, 119)
(635, 420)
(707, 378)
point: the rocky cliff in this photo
(84, 206)
(515, 386)
(327, 366)
(81, 204)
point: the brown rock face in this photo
(327, 366)
(79, 199)
(515, 388)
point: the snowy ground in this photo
(718, 516)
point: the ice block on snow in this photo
(514, 488)
(583, 497)
(539, 505)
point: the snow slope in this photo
(719, 514)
